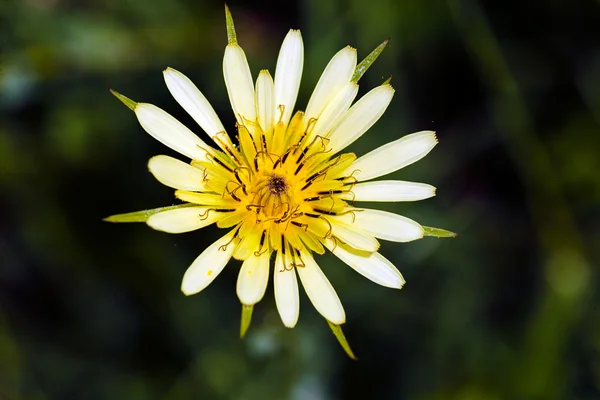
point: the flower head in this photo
(284, 187)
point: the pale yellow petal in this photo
(182, 219)
(390, 191)
(320, 292)
(265, 107)
(393, 156)
(238, 80)
(353, 236)
(176, 174)
(373, 266)
(332, 112)
(253, 278)
(170, 132)
(193, 101)
(388, 226)
(286, 292)
(288, 74)
(360, 117)
(208, 265)
(336, 75)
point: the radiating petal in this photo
(142, 215)
(288, 74)
(193, 101)
(387, 226)
(265, 108)
(373, 266)
(170, 132)
(337, 74)
(390, 191)
(175, 173)
(360, 117)
(393, 156)
(238, 80)
(183, 219)
(320, 292)
(353, 235)
(206, 199)
(335, 109)
(208, 265)
(286, 292)
(253, 278)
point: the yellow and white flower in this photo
(284, 187)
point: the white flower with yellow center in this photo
(284, 187)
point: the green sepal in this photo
(231, 36)
(387, 81)
(246, 319)
(143, 215)
(366, 63)
(125, 100)
(339, 335)
(437, 232)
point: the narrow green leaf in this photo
(125, 100)
(439, 233)
(231, 36)
(388, 80)
(246, 319)
(142, 216)
(339, 335)
(366, 63)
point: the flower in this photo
(286, 188)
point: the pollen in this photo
(277, 185)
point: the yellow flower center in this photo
(269, 197)
(280, 188)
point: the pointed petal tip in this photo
(124, 99)
(438, 232)
(246, 319)
(231, 35)
(402, 283)
(339, 335)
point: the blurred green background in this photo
(509, 310)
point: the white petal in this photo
(208, 265)
(360, 117)
(320, 292)
(373, 266)
(170, 132)
(390, 191)
(393, 156)
(238, 80)
(286, 293)
(338, 73)
(253, 278)
(193, 101)
(387, 226)
(353, 236)
(335, 109)
(264, 101)
(175, 173)
(288, 74)
(182, 219)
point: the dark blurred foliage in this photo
(509, 310)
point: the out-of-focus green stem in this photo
(537, 371)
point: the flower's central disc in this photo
(277, 185)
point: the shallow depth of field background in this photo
(509, 310)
